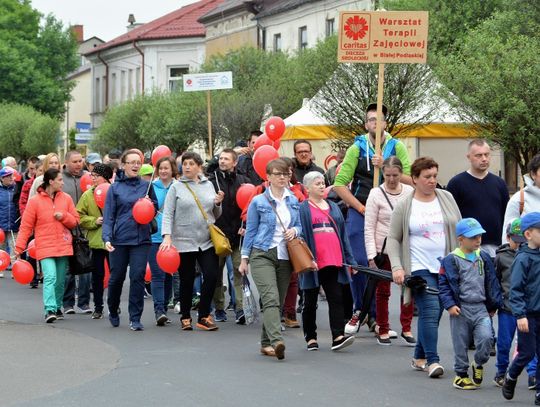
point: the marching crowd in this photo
(469, 249)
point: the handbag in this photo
(220, 241)
(300, 255)
(380, 258)
(82, 261)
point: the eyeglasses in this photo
(303, 152)
(374, 119)
(133, 163)
(281, 174)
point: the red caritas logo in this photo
(356, 27)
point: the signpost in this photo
(383, 37)
(208, 82)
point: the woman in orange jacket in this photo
(50, 215)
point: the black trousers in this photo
(98, 256)
(209, 265)
(328, 279)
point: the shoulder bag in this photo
(300, 256)
(379, 259)
(82, 261)
(219, 240)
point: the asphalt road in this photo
(83, 362)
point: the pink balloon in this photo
(86, 181)
(263, 140)
(143, 211)
(274, 128)
(100, 194)
(23, 272)
(160, 152)
(262, 157)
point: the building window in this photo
(138, 86)
(130, 84)
(175, 77)
(330, 27)
(97, 96)
(277, 42)
(113, 89)
(302, 38)
(105, 97)
(122, 86)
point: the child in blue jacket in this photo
(470, 292)
(525, 304)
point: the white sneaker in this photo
(391, 334)
(177, 308)
(1, 274)
(353, 326)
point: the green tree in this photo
(494, 78)
(34, 59)
(25, 132)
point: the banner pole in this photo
(209, 108)
(380, 94)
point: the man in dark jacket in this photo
(226, 179)
(9, 211)
(303, 160)
(245, 161)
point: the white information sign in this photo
(208, 81)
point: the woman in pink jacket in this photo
(50, 215)
(379, 207)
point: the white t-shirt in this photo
(278, 240)
(427, 236)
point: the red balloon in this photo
(23, 272)
(32, 248)
(100, 194)
(160, 152)
(107, 275)
(2, 236)
(4, 260)
(262, 140)
(262, 157)
(17, 176)
(86, 181)
(274, 128)
(168, 260)
(244, 194)
(277, 144)
(143, 211)
(148, 274)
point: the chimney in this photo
(78, 31)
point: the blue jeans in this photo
(83, 290)
(429, 315)
(355, 231)
(136, 257)
(161, 283)
(505, 336)
(529, 347)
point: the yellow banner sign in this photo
(387, 37)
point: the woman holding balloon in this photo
(90, 208)
(127, 241)
(50, 215)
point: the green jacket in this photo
(89, 212)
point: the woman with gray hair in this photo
(324, 230)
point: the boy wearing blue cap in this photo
(470, 292)
(525, 304)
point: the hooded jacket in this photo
(8, 207)
(525, 283)
(119, 226)
(53, 237)
(504, 258)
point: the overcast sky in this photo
(106, 19)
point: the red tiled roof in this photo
(177, 24)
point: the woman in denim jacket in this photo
(265, 248)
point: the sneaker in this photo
(312, 346)
(34, 284)
(464, 383)
(221, 316)
(531, 384)
(371, 323)
(477, 374)
(508, 387)
(97, 315)
(353, 326)
(391, 334)
(409, 340)
(279, 349)
(207, 324)
(59, 314)
(136, 326)
(114, 320)
(383, 341)
(240, 317)
(498, 380)
(419, 364)
(161, 319)
(342, 343)
(177, 308)
(537, 399)
(1, 274)
(231, 307)
(435, 370)
(291, 322)
(85, 309)
(186, 324)
(50, 317)
(69, 310)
